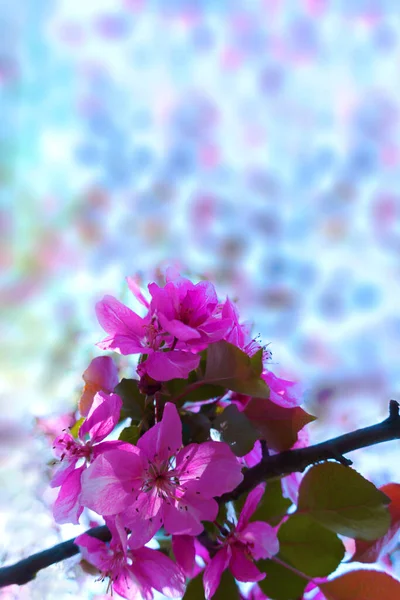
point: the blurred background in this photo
(255, 143)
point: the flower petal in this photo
(94, 551)
(178, 329)
(67, 507)
(142, 530)
(249, 507)
(164, 439)
(163, 366)
(242, 567)
(124, 327)
(184, 551)
(125, 584)
(101, 374)
(283, 392)
(210, 468)
(108, 484)
(185, 516)
(137, 292)
(102, 417)
(263, 539)
(66, 467)
(157, 571)
(213, 572)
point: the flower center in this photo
(76, 449)
(162, 478)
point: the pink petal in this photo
(185, 516)
(263, 539)
(164, 439)
(102, 447)
(213, 572)
(215, 329)
(290, 486)
(250, 505)
(148, 504)
(137, 292)
(127, 587)
(243, 568)
(163, 301)
(142, 530)
(253, 457)
(206, 291)
(281, 392)
(101, 375)
(108, 483)
(66, 467)
(67, 507)
(163, 366)
(125, 328)
(103, 372)
(184, 551)
(156, 570)
(122, 344)
(103, 416)
(119, 539)
(94, 551)
(210, 468)
(182, 332)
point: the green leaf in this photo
(182, 390)
(256, 362)
(273, 506)
(277, 425)
(76, 427)
(133, 401)
(236, 430)
(130, 434)
(345, 502)
(195, 589)
(195, 428)
(227, 589)
(280, 583)
(310, 547)
(233, 369)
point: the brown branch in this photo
(293, 461)
(276, 465)
(26, 569)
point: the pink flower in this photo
(100, 376)
(241, 546)
(131, 334)
(189, 312)
(101, 420)
(133, 573)
(162, 483)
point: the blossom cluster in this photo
(164, 481)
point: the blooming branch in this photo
(270, 467)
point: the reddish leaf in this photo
(277, 425)
(370, 552)
(362, 585)
(232, 368)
